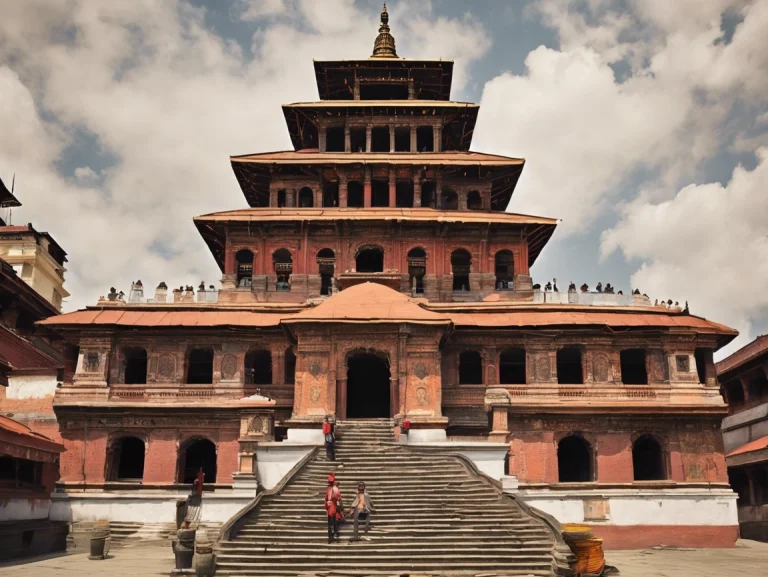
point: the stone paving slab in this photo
(749, 558)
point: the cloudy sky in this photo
(644, 124)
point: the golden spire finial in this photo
(384, 46)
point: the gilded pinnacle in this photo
(384, 46)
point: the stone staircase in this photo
(435, 516)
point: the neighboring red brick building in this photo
(744, 384)
(376, 274)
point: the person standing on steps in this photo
(362, 507)
(332, 507)
(330, 439)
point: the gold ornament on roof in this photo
(384, 46)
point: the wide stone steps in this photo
(433, 516)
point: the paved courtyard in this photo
(144, 560)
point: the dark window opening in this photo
(633, 369)
(474, 200)
(200, 367)
(244, 260)
(290, 366)
(306, 198)
(449, 200)
(357, 139)
(739, 482)
(758, 386)
(470, 368)
(258, 367)
(574, 460)
(370, 260)
(368, 387)
(702, 356)
(760, 485)
(735, 395)
(381, 91)
(128, 459)
(135, 365)
(512, 367)
(505, 270)
(283, 264)
(404, 194)
(417, 268)
(402, 139)
(326, 262)
(334, 139)
(355, 194)
(380, 139)
(309, 136)
(461, 262)
(18, 472)
(281, 198)
(380, 193)
(331, 194)
(196, 456)
(428, 194)
(425, 140)
(648, 459)
(569, 371)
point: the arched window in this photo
(283, 264)
(470, 368)
(326, 263)
(258, 367)
(370, 259)
(135, 359)
(512, 367)
(461, 263)
(417, 268)
(735, 394)
(290, 366)
(200, 367)
(505, 270)
(281, 198)
(474, 200)
(633, 370)
(355, 194)
(196, 455)
(648, 459)
(574, 460)
(306, 198)
(569, 371)
(127, 460)
(404, 194)
(449, 200)
(428, 194)
(244, 259)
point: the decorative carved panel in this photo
(543, 369)
(601, 366)
(228, 367)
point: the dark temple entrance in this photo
(368, 389)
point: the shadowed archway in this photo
(368, 386)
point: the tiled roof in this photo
(369, 302)
(17, 353)
(159, 318)
(21, 435)
(312, 156)
(746, 353)
(756, 445)
(398, 214)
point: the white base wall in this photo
(274, 460)
(487, 457)
(132, 508)
(24, 509)
(31, 386)
(683, 506)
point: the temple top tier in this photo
(384, 76)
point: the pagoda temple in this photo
(377, 274)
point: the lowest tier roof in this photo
(371, 302)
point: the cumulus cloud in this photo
(708, 245)
(622, 116)
(167, 100)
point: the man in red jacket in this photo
(332, 508)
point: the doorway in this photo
(368, 387)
